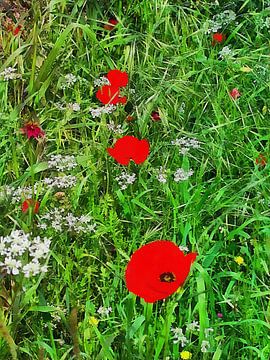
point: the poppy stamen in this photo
(167, 277)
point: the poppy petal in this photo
(118, 78)
(149, 266)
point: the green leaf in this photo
(135, 326)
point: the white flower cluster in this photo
(65, 181)
(108, 109)
(219, 21)
(179, 336)
(226, 52)
(69, 106)
(22, 192)
(182, 108)
(194, 326)
(186, 144)
(181, 174)
(62, 163)
(27, 192)
(116, 129)
(10, 74)
(205, 346)
(14, 250)
(162, 176)
(184, 248)
(125, 179)
(60, 221)
(101, 81)
(103, 311)
(56, 318)
(69, 81)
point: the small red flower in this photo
(32, 129)
(108, 94)
(157, 270)
(111, 25)
(261, 160)
(234, 93)
(220, 315)
(117, 78)
(155, 116)
(129, 118)
(218, 38)
(30, 203)
(17, 30)
(129, 148)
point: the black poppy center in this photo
(167, 277)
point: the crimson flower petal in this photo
(108, 94)
(117, 78)
(30, 203)
(156, 270)
(129, 148)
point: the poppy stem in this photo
(148, 309)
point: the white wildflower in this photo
(12, 266)
(103, 311)
(179, 336)
(181, 174)
(61, 162)
(205, 346)
(207, 331)
(58, 220)
(226, 53)
(10, 74)
(194, 326)
(219, 21)
(125, 179)
(108, 109)
(73, 106)
(162, 176)
(16, 250)
(69, 81)
(185, 144)
(101, 81)
(65, 181)
(184, 248)
(181, 110)
(116, 129)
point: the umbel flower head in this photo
(129, 148)
(157, 270)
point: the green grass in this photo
(216, 212)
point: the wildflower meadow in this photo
(134, 180)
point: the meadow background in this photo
(80, 308)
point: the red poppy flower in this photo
(30, 203)
(218, 38)
(32, 129)
(261, 160)
(108, 94)
(234, 93)
(155, 116)
(129, 148)
(117, 78)
(156, 270)
(111, 25)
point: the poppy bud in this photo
(30, 203)
(155, 116)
